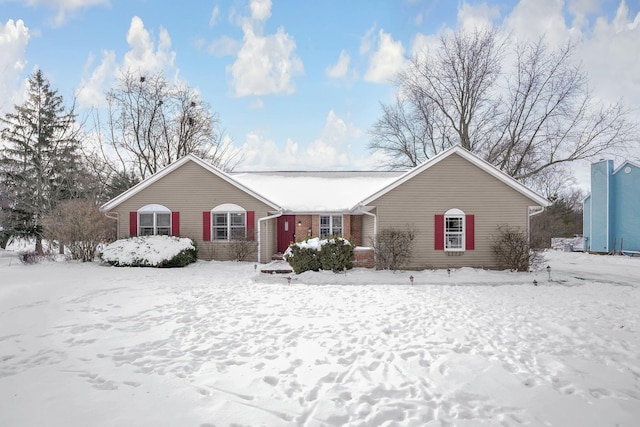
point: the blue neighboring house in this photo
(611, 212)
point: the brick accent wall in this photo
(363, 257)
(303, 230)
(356, 229)
(346, 226)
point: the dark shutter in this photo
(133, 224)
(469, 233)
(175, 223)
(206, 226)
(439, 233)
(251, 225)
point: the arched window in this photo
(454, 230)
(154, 220)
(228, 222)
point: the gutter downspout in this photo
(276, 215)
(531, 213)
(375, 231)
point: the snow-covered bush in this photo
(151, 251)
(315, 254)
(302, 259)
(336, 255)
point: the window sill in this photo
(454, 252)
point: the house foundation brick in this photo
(363, 257)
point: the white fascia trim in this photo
(625, 163)
(111, 204)
(482, 164)
(260, 221)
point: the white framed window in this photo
(330, 225)
(154, 220)
(228, 222)
(454, 230)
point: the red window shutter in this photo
(175, 223)
(133, 224)
(439, 233)
(251, 225)
(469, 233)
(206, 226)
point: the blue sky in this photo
(297, 84)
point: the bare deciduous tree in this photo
(149, 123)
(525, 118)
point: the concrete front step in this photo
(276, 267)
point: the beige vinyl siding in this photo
(368, 226)
(268, 239)
(191, 190)
(453, 183)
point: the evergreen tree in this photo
(40, 162)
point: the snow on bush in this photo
(151, 251)
(316, 254)
(315, 243)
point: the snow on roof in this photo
(320, 191)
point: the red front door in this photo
(286, 231)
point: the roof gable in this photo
(625, 164)
(113, 203)
(472, 158)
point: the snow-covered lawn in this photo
(219, 344)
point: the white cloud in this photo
(368, 40)
(534, 19)
(144, 56)
(260, 153)
(14, 37)
(386, 61)
(215, 14)
(610, 55)
(265, 64)
(332, 146)
(422, 44)
(65, 7)
(224, 46)
(606, 50)
(260, 9)
(330, 150)
(480, 16)
(341, 68)
(91, 92)
(583, 7)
